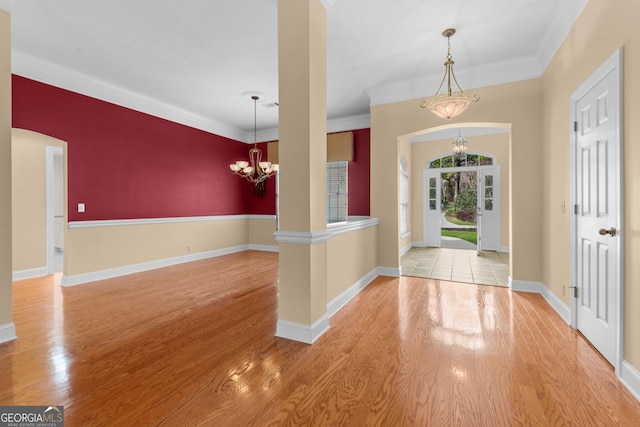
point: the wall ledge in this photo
(7, 332)
(143, 221)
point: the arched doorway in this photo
(489, 159)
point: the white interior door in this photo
(432, 207)
(597, 199)
(488, 221)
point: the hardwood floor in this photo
(194, 345)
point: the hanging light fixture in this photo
(459, 146)
(449, 103)
(255, 170)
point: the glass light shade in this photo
(275, 167)
(248, 170)
(234, 167)
(265, 165)
(448, 106)
(242, 164)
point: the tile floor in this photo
(458, 265)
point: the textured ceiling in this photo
(190, 61)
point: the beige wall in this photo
(350, 257)
(422, 152)
(603, 27)
(261, 232)
(90, 249)
(517, 105)
(29, 197)
(5, 169)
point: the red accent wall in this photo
(126, 164)
(360, 174)
(359, 181)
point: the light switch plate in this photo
(80, 207)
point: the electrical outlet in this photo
(80, 207)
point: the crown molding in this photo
(340, 124)
(523, 68)
(47, 72)
(566, 15)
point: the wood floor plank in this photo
(194, 345)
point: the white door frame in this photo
(612, 65)
(425, 195)
(51, 152)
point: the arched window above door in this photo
(469, 159)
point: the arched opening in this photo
(460, 202)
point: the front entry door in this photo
(596, 160)
(432, 211)
(488, 220)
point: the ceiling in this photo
(190, 61)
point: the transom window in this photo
(451, 161)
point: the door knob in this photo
(611, 231)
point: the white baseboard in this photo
(557, 304)
(388, 271)
(264, 248)
(525, 286)
(341, 300)
(630, 377)
(30, 273)
(539, 288)
(406, 249)
(415, 244)
(79, 279)
(7, 332)
(503, 249)
(302, 333)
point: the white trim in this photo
(630, 377)
(349, 226)
(302, 333)
(341, 300)
(143, 221)
(271, 217)
(388, 271)
(525, 286)
(539, 288)
(557, 304)
(406, 248)
(302, 237)
(263, 248)
(613, 65)
(30, 273)
(47, 72)
(93, 276)
(502, 72)
(503, 249)
(8, 332)
(417, 244)
(566, 15)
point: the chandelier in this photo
(459, 146)
(449, 103)
(255, 170)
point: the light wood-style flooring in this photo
(194, 345)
